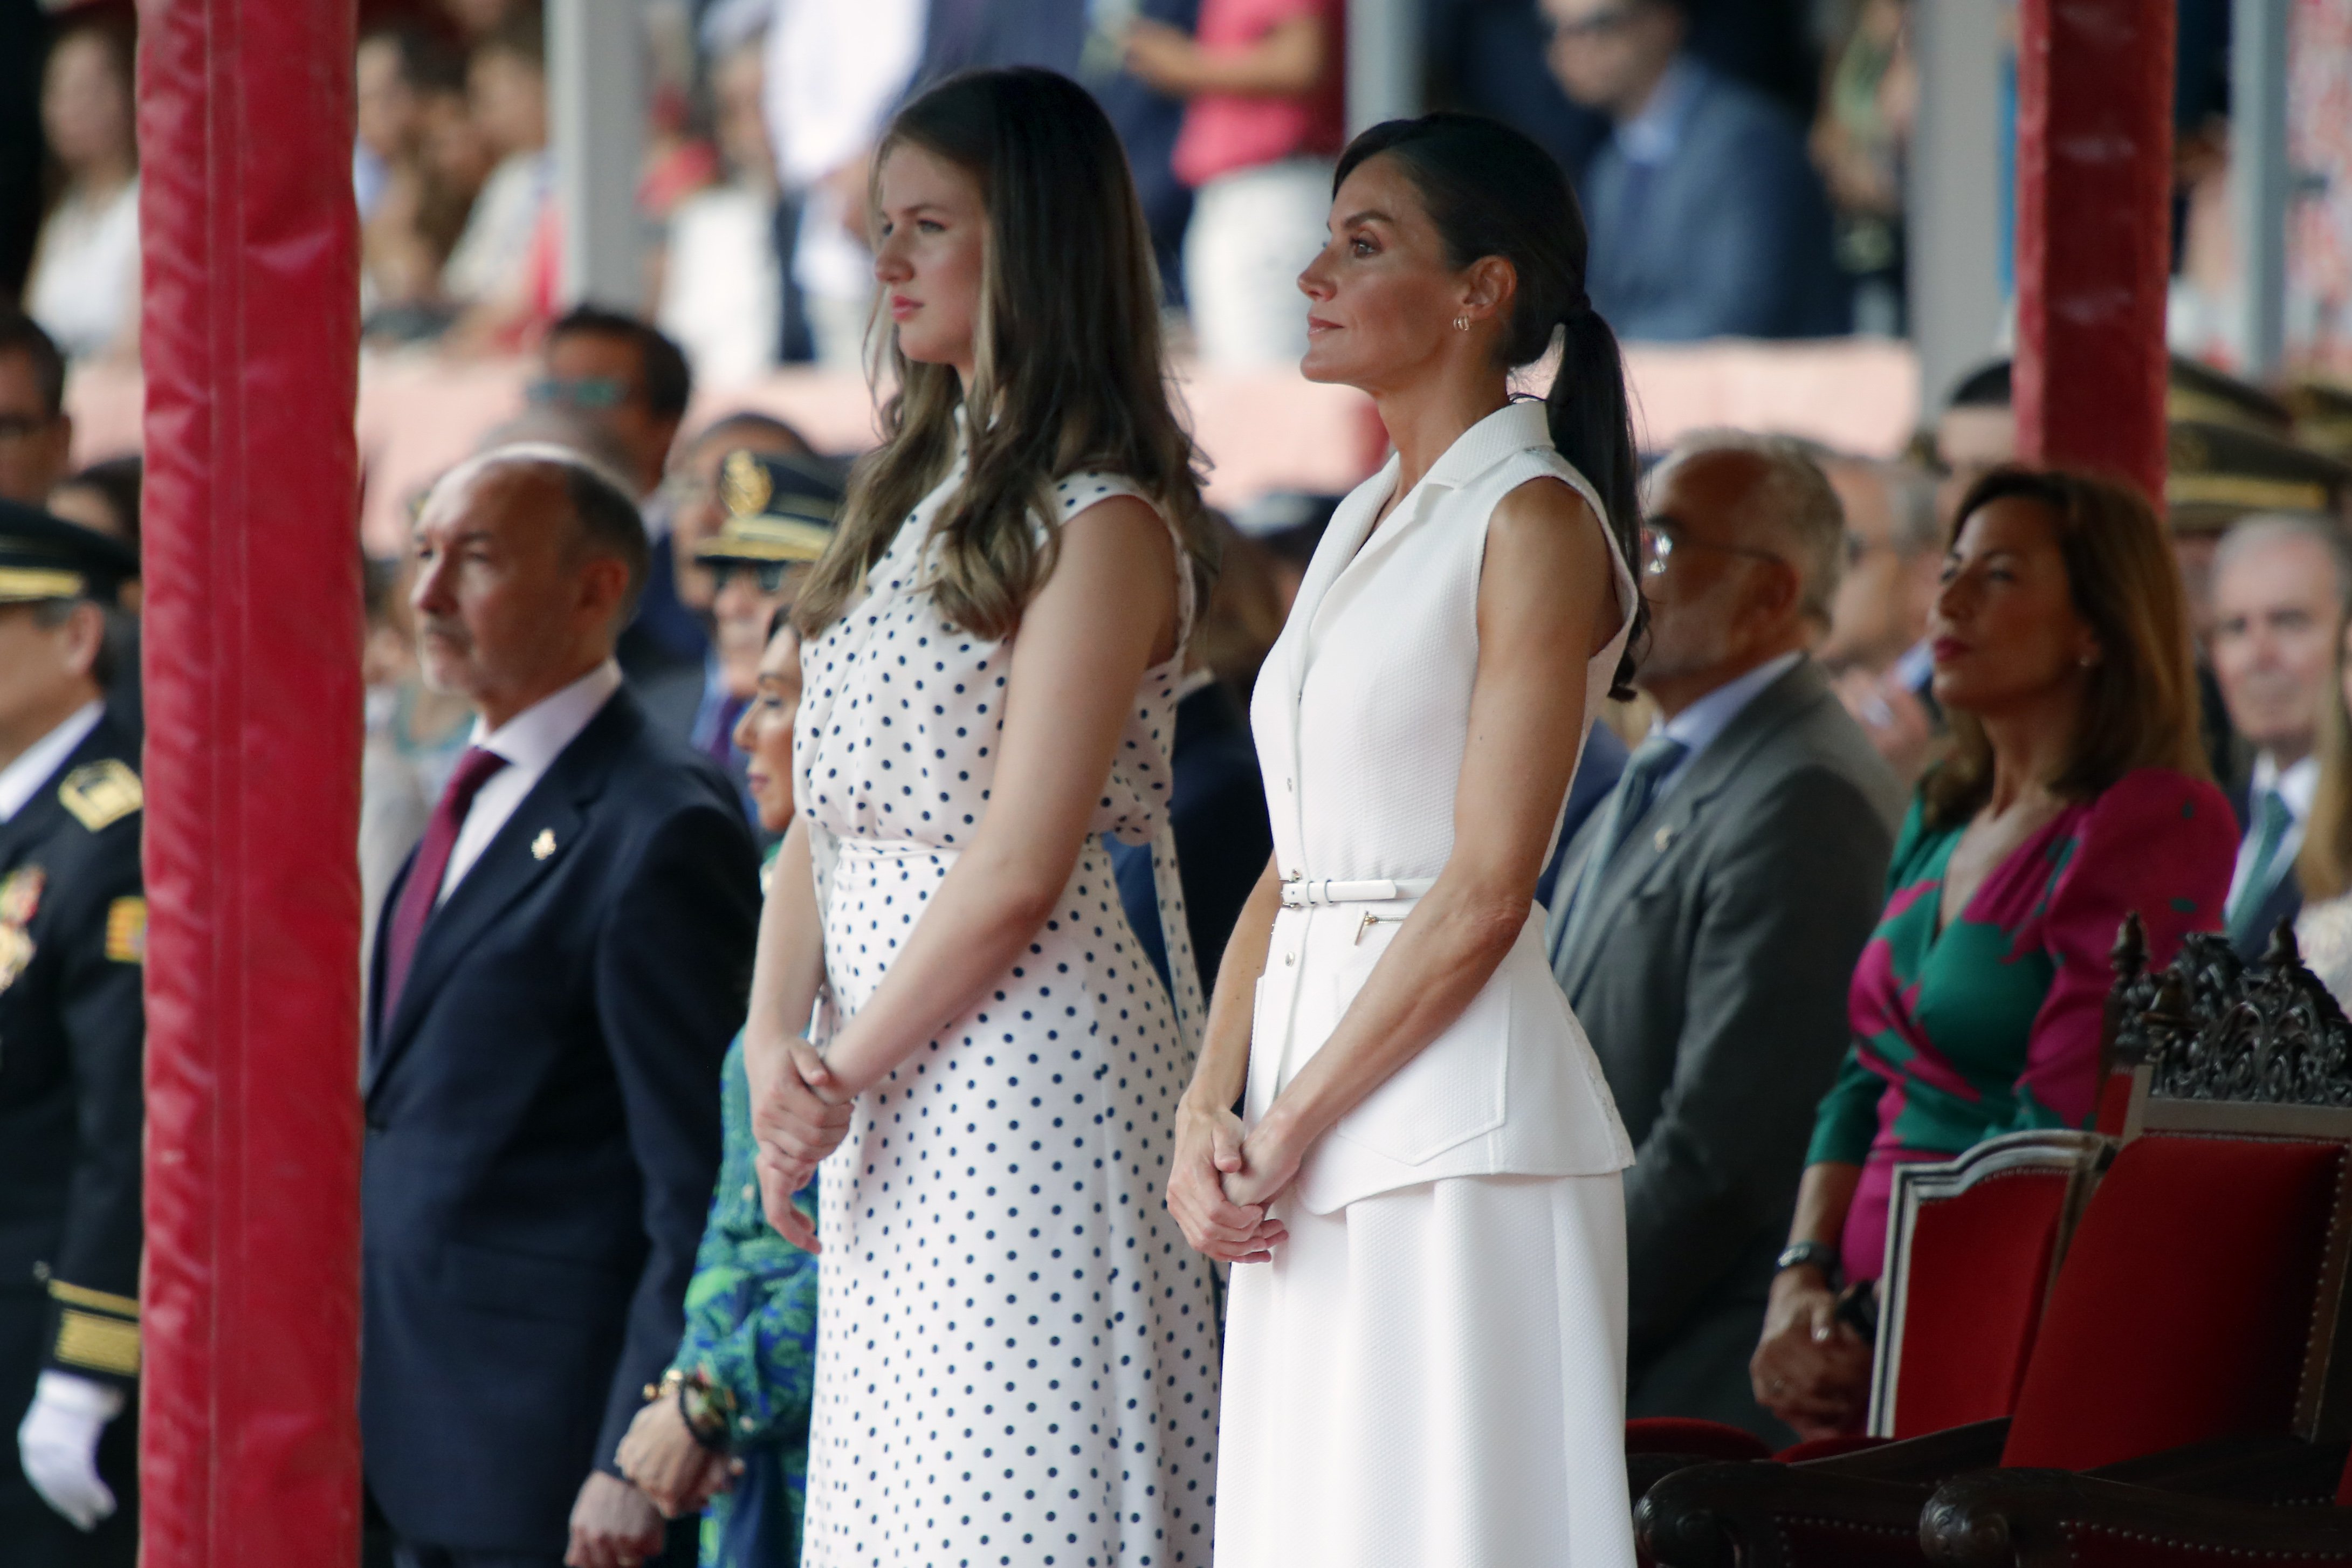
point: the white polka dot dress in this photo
(1017, 1353)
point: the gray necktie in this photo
(1636, 791)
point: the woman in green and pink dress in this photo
(2075, 792)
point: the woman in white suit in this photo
(1425, 1351)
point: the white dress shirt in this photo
(1697, 725)
(22, 779)
(2297, 785)
(530, 741)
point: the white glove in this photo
(58, 1443)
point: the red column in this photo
(250, 1439)
(2094, 233)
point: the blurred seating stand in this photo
(1263, 431)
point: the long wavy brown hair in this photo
(1069, 373)
(2139, 710)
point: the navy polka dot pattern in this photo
(1017, 1354)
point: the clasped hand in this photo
(1224, 1182)
(801, 1118)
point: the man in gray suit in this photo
(1710, 913)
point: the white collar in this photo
(21, 780)
(2297, 785)
(1697, 725)
(535, 737)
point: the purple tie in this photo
(423, 889)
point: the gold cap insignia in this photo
(544, 844)
(102, 793)
(744, 487)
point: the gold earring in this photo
(1461, 324)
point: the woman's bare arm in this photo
(1101, 619)
(1208, 1134)
(1546, 603)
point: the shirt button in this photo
(1290, 958)
(1286, 787)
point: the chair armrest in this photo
(2267, 1469)
(1714, 1515)
(2032, 1518)
(1926, 1459)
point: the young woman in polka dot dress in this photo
(1017, 1353)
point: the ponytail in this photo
(1593, 427)
(1491, 191)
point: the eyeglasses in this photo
(1662, 536)
(771, 575)
(582, 392)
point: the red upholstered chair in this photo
(2196, 1303)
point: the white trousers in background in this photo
(1252, 233)
(1431, 1378)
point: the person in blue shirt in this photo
(1708, 216)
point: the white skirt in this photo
(1433, 1377)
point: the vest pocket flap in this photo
(1450, 1092)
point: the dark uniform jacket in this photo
(542, 1136)
(73, 934)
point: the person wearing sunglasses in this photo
(1709, 914)
(781, 512)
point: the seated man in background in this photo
(1876, 650)
(1707, 925)
(2281, 586)
(1709, 218)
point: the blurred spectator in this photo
(1264, 119)
(2061, 655)
(1148, 122)
(1975, 434)
(429, 188)
(1869, 90)
(2323, 866)
(488, 271)
(1490, 54)
(84, 286)
(722, 284)
(1709, 922)
(104, 499)
(1876, 650)
(36, 431)
(780, 512)
(2280, 587)
(389, 114)
(696, 510)
(728, 1433)
(834, 72)
(1709, 218)
(980, 34)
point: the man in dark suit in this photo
(2281, 586)
(73, 938)
(1707, 926)
(1709, 218)
(557, 973)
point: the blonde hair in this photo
(1068, 370)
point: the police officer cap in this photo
(45, 557)
(779, 510)
(2215, 474)
(2198, 393)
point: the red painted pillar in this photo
(2094, 233)
(249, 1436)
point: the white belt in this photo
(1299, 893)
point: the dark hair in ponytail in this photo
(1491, 191)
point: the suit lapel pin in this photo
(544, 844)
(1661, 838)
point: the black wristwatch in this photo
(1820, 1255)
